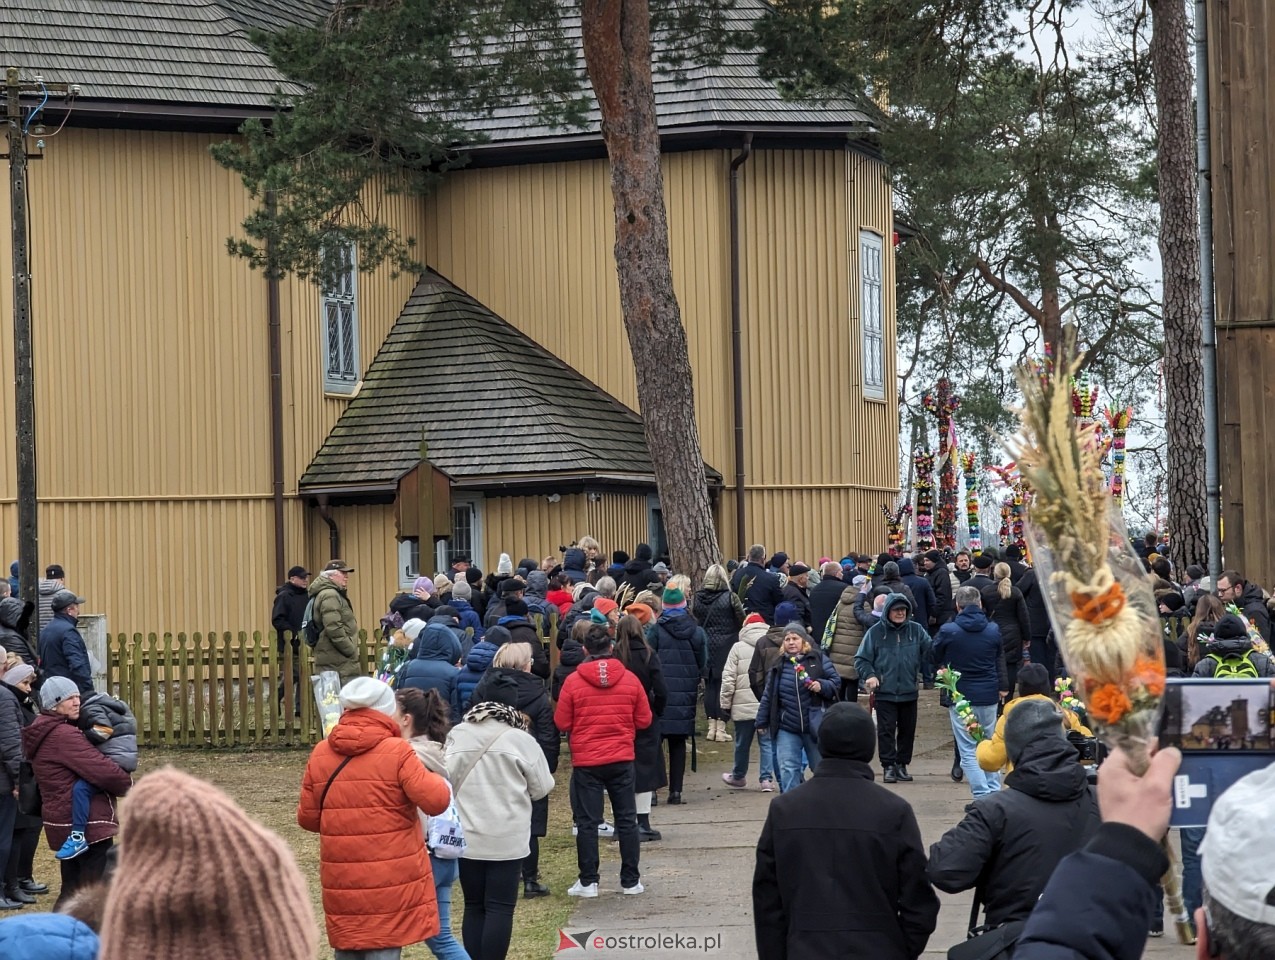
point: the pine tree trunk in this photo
(1180, 254)
(617, 53)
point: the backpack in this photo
(311, 629)
(1233, 668)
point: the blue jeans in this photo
(1192, 881)
(981, 783)
(744, 730)
(788, 747)
(81, 799)
(444, 945)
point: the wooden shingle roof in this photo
(490, 401)
(730, 94)
(189, 52)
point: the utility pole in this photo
(23, 362)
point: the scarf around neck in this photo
(492, 710)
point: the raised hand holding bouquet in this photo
(1100, 602)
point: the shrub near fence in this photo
(229, 689)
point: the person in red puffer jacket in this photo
(602, 707)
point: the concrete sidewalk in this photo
(698, 877)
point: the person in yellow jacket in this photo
(1033, 684)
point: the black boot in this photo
(674, 797)
(30, 886)
(890, 776)
(13, 891)
(646, 833)
(901, 771)
(534, 888)
(957, 773)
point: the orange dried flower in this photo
(1150, 673)
(1109, 703)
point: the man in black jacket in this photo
(1043, 650)
(1010, 841)
(891, 581)
(1014, 559)
(825, 597)
(289, 609)
(761, 589)
(1232, 588)
(941, 583)
(982, 578)
(851, 886)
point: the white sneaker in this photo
(634, 890)
(604, 830)
(579, 889)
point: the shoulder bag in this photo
(327, 786)
(987, 942)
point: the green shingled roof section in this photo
(489, 399)
(189, 52)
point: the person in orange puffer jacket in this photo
(365, 781)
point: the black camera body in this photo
(1086, 747)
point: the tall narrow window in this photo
(871, 255)
(341, 326)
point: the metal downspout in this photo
(276, 408)
(1208, 317)
(737, 349)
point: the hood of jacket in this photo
(971, 619)
(634, 567)
(602, 673)
(1228, 646)
(321, 583)
(38, 730)
(358, 731)
(537, 584)
(437, 641)
(1048, 770)
(431, 754)
(906, 567)
(48, 588)
(750, 633)
(1252, 594)
(893, 600)
(530, 687)
(573, 653)
(510, 622)
(706, 595)
(481, 655)
(10, 612)
(681, 626)
(288, 587)
(573, 559)
(48, 936)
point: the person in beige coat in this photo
(841, 638)
(739, 701)
(496, 769)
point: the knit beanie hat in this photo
(1030, 721)
(847, 733)
(18, 673)
(641, 612)
(515, 608)
(367, 693)
(461, 590)
(412, 629)
(786, 612)
(505, 566)
(605, 605)
(473, 576)
(890, 571)
(673, 597)
(56, 689)
(198, 879)
(754, 618)
(500, 688)
(423, 583)
(442, 584)
(935, 557)
(778, 560)
(1229, 627)
(984, 561)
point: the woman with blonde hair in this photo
(1004, 605)
(718, 610)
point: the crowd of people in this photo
(440, 767)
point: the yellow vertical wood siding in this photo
(151, 345)
(534, 527)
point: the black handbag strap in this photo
(974, 909)
(327, 786)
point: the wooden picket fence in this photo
(222, 689)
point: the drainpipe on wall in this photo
(276, 406)
(1208, 318)
(737, 348)
(334, 535)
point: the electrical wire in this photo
(34, 113)
(65, 117)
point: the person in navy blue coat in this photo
(683, 649)
(801, 684)
(434, 666)
(62, 650)
(476, 664)
(971, 645)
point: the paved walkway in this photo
(698, 878)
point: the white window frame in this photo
(872, 313)
(442, 550)
(409, 561)
(341, 370)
